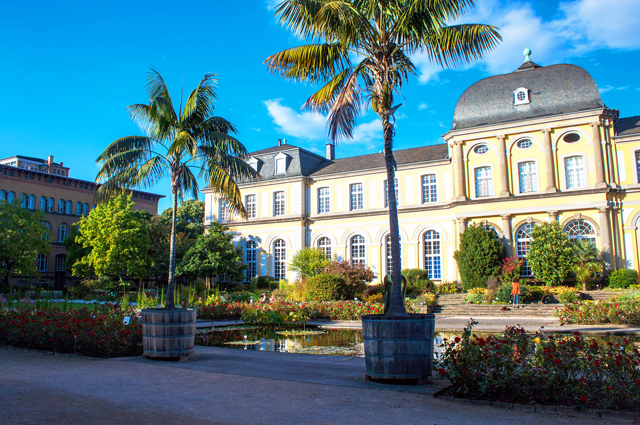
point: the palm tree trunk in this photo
(396, 306)
(170, 304)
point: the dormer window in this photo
(521, 96)
(281, 163)
(253, 163)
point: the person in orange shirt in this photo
(515, 291)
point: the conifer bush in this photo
(479, 256)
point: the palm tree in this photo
(360, 52)
(175, 145)
(588, 263)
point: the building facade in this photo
(528, 147)
(39, 184)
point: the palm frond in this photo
(344, 111)
(200, 104)
(187, 183)
(222, 183)
(323, 99)
(310, 63)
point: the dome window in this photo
(521, 96)
(571, 138)
(481, 149)
(524, 143)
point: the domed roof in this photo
(552, 90)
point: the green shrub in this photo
(355, 278)
(418, 281)
(474, 298)
(567, 297)
(622, 278)
(629, 296)
(309, 262)
(253, 284)
(504, 294)
(273, 285)
(446, 288)
(552, 255)
(479, 256)
(536, 293)
(261, 282)
(324, 287)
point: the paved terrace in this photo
(230, 386)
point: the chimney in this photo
(331, 151)
(61, 163)
(50, 160)
(279, 142)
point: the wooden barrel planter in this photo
(168, 333)
(398, 350)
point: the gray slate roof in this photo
(627, 126)
(553, 90)
(376, 160)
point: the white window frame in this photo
(362, 249)
(85, 209)
(535, 183)
(62, 234)
(432, 184)
(491, 187)
(43, 262)
(520, 247)
(251, 259)
(435, 257)
(324, 199)
(68, 207)
(51, 204)
(31, 202)
(359, 196)
(280, 260)
(252, 212)
(43, 205)
(388, 268)
(524, 101)
(592, 237)
(277, 203)
(61, 204)
(78, 208)
(385, 189)
(327, 249)
(224, 213)
(585, 171)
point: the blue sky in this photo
(68, 70)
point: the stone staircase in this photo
(599, 295)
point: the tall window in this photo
(68, 206)
(638, 165)
(78, 208)
(61, 206)
(224, 214)
(43, 203)
(31, 202)
(63, 232)
(356, 198)
(250, 206)
(324, 203)
(429, 189)
(432, 256)
(61, 260)
(484, 182)
(11, 197)
(251, 259)
(528, 175)
(85, 209)
(574, 169)
(325, 246)
(279, 260)
(43, 262)
(580, 229)
(523, 245)
(281, 165)
(386, 192)
(23, 200)
(389, 264)
(278, 203)
(48, 226)
(3, 195)
(357, 248)
(50, 203)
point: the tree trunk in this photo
(396, 307)
(170, 304)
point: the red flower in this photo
(597, 363)
(638, 382)
(442, 371)
(576, 333)
(583, 398)
(456, 340)
(557, 361)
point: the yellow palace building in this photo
(528, 147)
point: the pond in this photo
(332, 342)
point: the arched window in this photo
(31, 202)
(357, 250)
(48, 226)
(68, 206)
(279, 260)
(325, 246)
(78, 208)
(23, 200)
(3, 195)
(61, 206)
(251, 259)
(523, 245)
(85, 209)
(492, 230)
(61, 260)
(389, 264)
(43, 203)
(11, 197)
(580, 229)
(63, 232)
(50, 203)
(432, 254)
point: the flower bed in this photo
(84, 332)
(329, 310)
(589, 313)
(519, 368)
